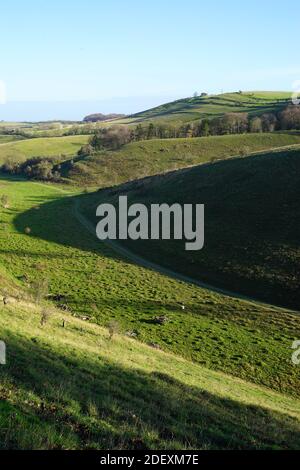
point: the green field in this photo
(9, 125)
(216, 373)
(46, 147)
(4, 139)
(73, 388)
(247, 340)
(251, 224)
(151, 157)
(190, 109)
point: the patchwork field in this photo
(192, 108)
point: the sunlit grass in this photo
(244, 339)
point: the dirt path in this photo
(117, 248)
(124, 252)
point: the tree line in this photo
(40, 168)
(114, 137)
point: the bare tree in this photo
(40, 289)
(45, 315)
(256, 125)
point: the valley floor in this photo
(70, 386)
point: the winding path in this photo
(137, 259)
(121, 250)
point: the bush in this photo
(45, 315)
(113, 328)
(36, 167)
(111, 138)
(86, 150)
(290, 118)
(5, 201)
(40, 289)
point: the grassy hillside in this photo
(244, 339)
(19, 151)
(139, 159)
(73, 388)
(190, 109)
(252, 223)
(4, 139)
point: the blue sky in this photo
(129, 55)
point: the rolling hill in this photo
(4, 139)
(216, 373)
(46, 147)
(66, 385)
(193, 108)
(151, 157)
(251, 226)
(89, 279)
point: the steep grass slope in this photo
(73, 388)
(41, 147)
(244, 339)
(190, 109)
(252, 223)
(151, 157)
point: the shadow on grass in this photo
(64, 397)
(251, 224)
(55, 221)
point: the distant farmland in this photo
(193, 108)
(45, 147)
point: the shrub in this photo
(45, 315)
(35, 167)
(5, 201)
(40, 289)
(161, 320)
(290, 118)
(111, 138)
(86, 150)
(113, 328)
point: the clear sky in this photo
(128, 55)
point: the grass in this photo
(73, 388)
(45, 147)
(218, 374)
(10, 124)
(4, 139)
(190, 109)
(244, 339)
(251, 223)
(151, 157)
